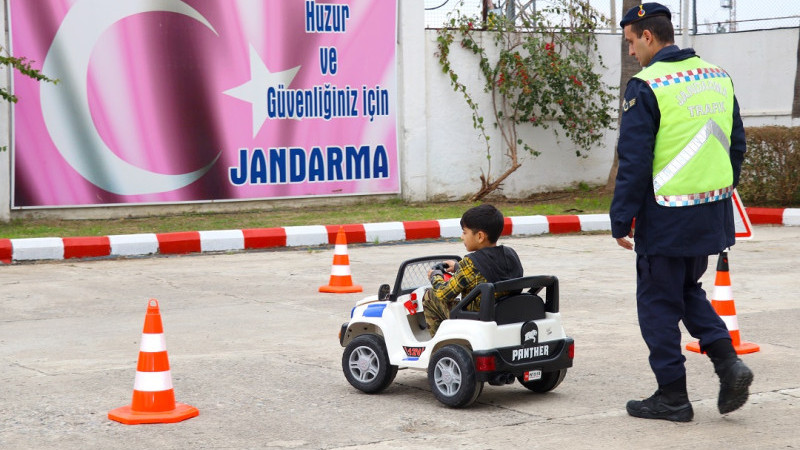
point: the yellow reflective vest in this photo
(691, 163)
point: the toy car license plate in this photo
(532, 375)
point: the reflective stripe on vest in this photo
(710, 129)
(695, 100)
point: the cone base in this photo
(341, 289)
(694, 347)
(746, 347)
(128, 416)
(742, 348)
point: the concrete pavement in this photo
(254, 346)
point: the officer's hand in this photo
(625, 243)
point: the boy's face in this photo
(473, 240)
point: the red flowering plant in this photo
(544, 71)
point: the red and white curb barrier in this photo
(131, 245)
(774, 216)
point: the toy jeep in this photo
(518, 336)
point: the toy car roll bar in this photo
(487, 311)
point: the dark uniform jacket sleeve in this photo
(738, 144)
(638, 129)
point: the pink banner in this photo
(162, 101)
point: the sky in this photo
(709, 12)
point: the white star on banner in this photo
(254, 91)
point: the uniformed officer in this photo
(680, 148)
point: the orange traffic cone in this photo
(722, 301)
(341, 282)
(153, 397)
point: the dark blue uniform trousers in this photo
(667, 292)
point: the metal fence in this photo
(696, 16)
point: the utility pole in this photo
(511, 12)
(731, 6)
(613, 8)
(685, 25)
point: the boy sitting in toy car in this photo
(481, 228)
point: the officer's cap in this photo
(644, 11)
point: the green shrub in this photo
(771, 169)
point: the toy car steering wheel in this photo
(442, 268)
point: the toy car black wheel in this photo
(451, 375)
(548, 382)
(366, 364)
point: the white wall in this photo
(457, 154)
(762, 65)
(412, 124)
(441, 156)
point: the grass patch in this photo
(581, 201)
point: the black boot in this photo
(670, 402)
(734, 376)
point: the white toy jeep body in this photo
(518, 336)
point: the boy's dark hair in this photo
(659, 26)
(484, 218)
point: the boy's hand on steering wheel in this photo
(449, 265)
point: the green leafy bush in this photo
(771, 168)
